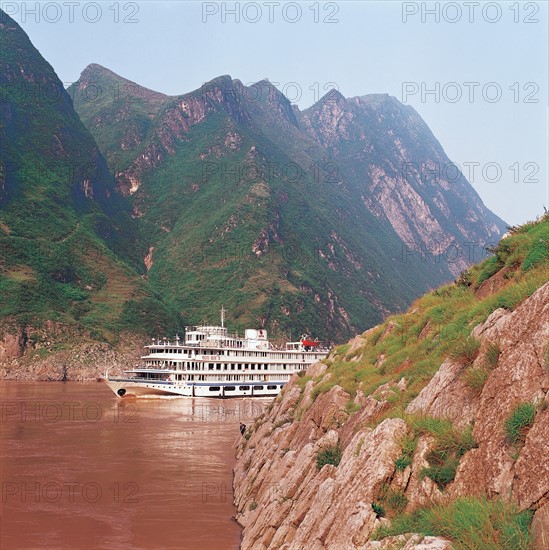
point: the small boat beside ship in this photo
(212, 362)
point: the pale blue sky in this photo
(368, 48)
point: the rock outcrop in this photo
(60, 352)
(285, 501)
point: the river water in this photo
(81, 468)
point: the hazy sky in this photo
(477, 72)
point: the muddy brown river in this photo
(81, 468)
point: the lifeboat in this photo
(307, 342)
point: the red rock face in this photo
(56, 351)
(301, 507)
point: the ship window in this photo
(230, 388)
(244, 388)
(214, 388)
(253, 367)
(258, 387)
(211, 366)
(271, 387)
(218, 366)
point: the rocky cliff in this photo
(333, 214)
(54, 351)
(396, 166)
(434, 423)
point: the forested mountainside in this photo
(318, 221)
(150, 212)
(68, 244)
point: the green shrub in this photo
(491, 357)
(328, 455)
(489, 268)
(538, 254)
(252, 506)
(476, 377)
(518, 422)
(409, 445)
(378, 509)
(441, 474)
(450, 446)
(465, 350)
(396, 501)
(464, 279)
(470, 523)
(402, 462)
(352, 407)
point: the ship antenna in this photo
(222, 317)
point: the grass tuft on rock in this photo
(328, 455)
(519, 421)
(470, 523)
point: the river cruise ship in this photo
(212, 362)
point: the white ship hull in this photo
(127, 387)
(211, 362)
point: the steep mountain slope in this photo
(435, 423)
(120, 111)
(63, 222)
(240, 206)
(396, 166)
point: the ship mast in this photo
(222, 311)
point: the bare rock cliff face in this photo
(58, 352)
(402, 174)
(284, 501)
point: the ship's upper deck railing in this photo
(210, 331)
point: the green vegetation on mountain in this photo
(240, 204)
(227, 195)
(438, 325)
(68, 246)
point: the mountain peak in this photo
(101, 76)
(224, 82)
(94, 69)
(333, 95)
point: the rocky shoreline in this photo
(285, 501)
(59, 352)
